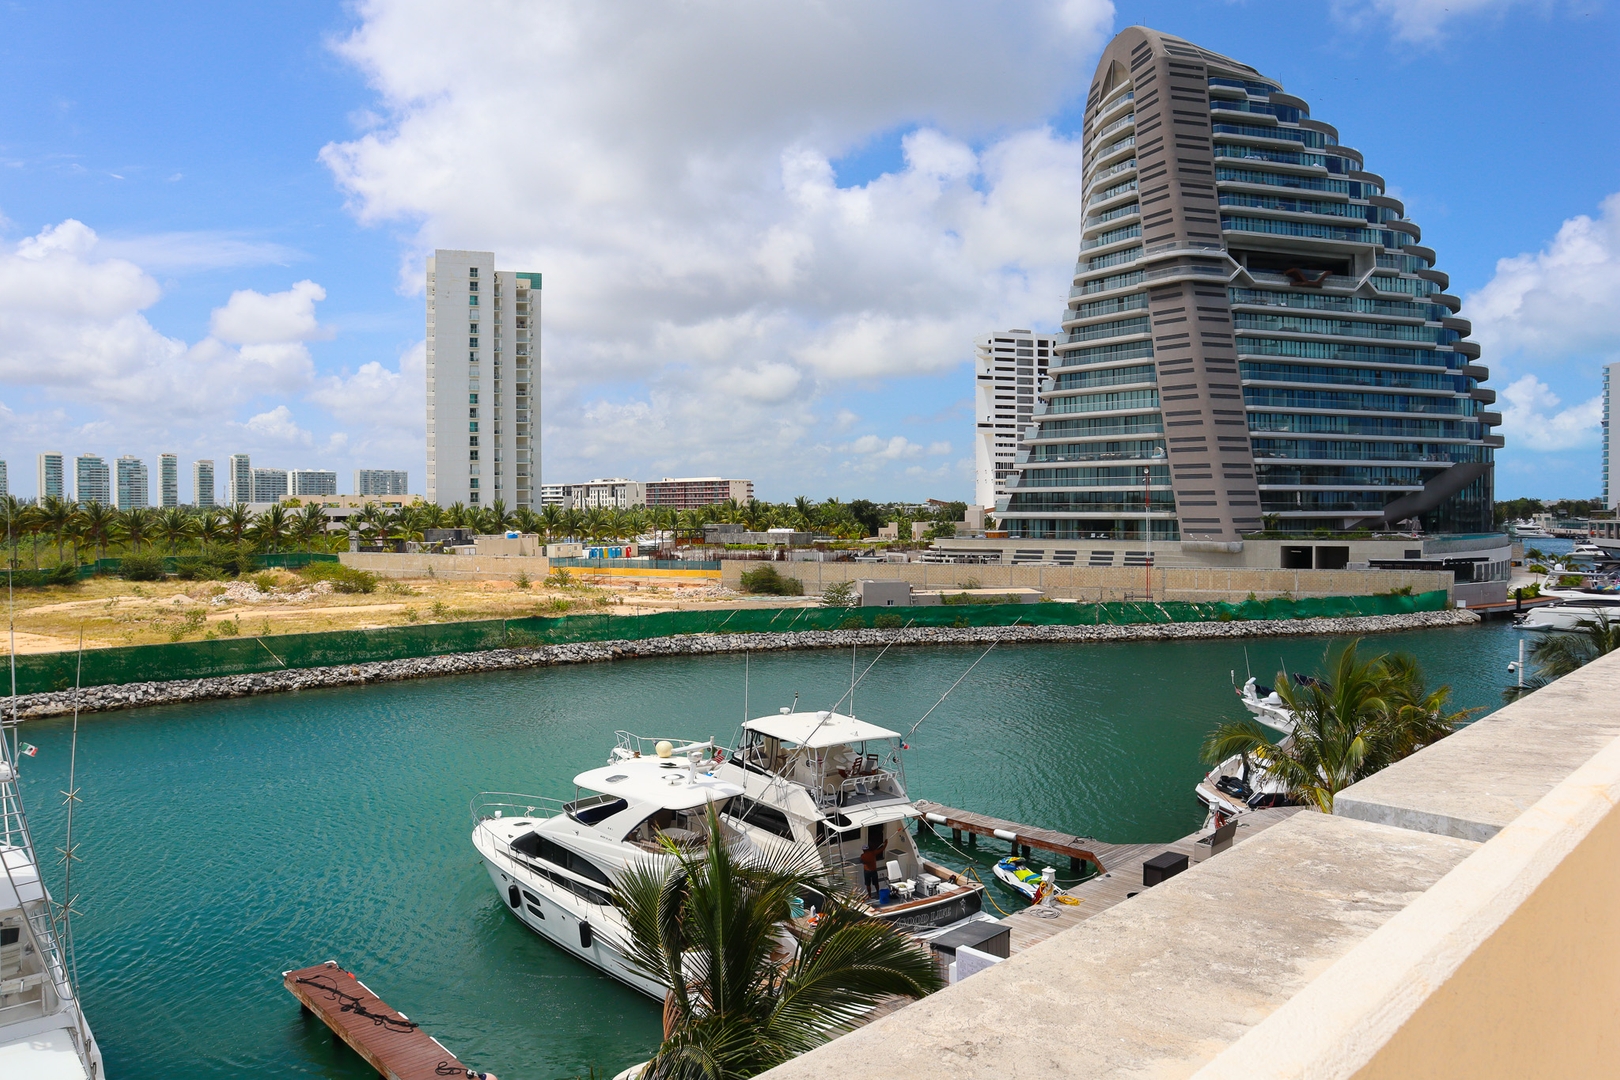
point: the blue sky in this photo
(759, 261)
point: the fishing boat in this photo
(836, 784)
(554, 862)
(1266, 705)
(43, 1031)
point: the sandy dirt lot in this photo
(111, 612)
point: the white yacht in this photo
(837, 784)
(43, 1032)
(554, 862)
(1266, 706)
(1574, 607)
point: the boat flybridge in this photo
(554, 863)
(43, 1032)
(836, 784)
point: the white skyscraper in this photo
(483, 381)
(168, 480)
(52, 478)
(1007, 370)
(5, 481)
(202, 482)
(92, 480)
(269, 485)
(134, 485)
(1611, 489)
(382, 482)
(306, 482)
(239, 481)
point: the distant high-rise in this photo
(168, 480)
(1008, 369)
(92, 481)
(269, 485)
(239, 481)
(5, 482)
(483, 381)
(52, 480)
(1255, 338)
(134, 485)
(1611, 490)
(382, 482)
(305, 482)
(202, 482)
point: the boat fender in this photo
(937, 819)
(585, 937)
(1006, 834)
(513, 898)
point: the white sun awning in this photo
(818, 729)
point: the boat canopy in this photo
(667, 783)
(816, 730)
(862, 816)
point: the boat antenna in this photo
(745, 687)
(852, 649)
(1247, 670)
(957, 683)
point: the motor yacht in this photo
(1266, 706)
(1573, 608)
(554, 862)
(43, 1032)
(836, 784)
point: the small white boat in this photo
(1266, 706)
(554, 863)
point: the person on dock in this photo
(869, 865)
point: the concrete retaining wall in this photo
(451, 567)
(1101, 584)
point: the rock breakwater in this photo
(140, 695)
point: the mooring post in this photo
(956, 837)
(1074, 864)
(1026, 850)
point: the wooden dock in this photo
(390, 1041)
(1120, 865)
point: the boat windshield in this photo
(687, 828)
(594, 808)
(837, 774)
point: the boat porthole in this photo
(513, 898)
(537, 911)
(584, 935)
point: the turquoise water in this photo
(226, 842)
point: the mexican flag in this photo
(28, 749)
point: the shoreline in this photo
(113, 698)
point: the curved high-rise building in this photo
(1256, 338)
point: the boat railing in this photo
(866, 787)
(629, 744)
(501, 804)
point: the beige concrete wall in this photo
(1110, 583)
(1509, 967)
(449, 567)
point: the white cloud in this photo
(1423, 21)
(251, 316)
(1531, 417)
(675, 180)
(1561, 300)
(891, 449)
(186, 252)
(278, 425)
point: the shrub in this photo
(888, 622)
(63, 574)
(141, 567)
(344, 579)
(839, 594)
(233, 562)
(765, 581)
(265, 582)
(522, 581)
(852, 623)
(229, 628)
(521, 639)
(960, 623)
(556, 606)
(560, 578)
(1223, 616)
(195, 568)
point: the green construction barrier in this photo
(251, 655)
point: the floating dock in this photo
(1119, 866)
(390, 1041)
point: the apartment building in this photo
(382, 482)
(168, 480)
(1256, 335)
(306, 482)
(52, 477)
(239, 480)
(691, 492)
(1007, 370)
(134, 484)
(483, 381)
(1611, 489)
(269, 485)
(92, 481)
(202, 483)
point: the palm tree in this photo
(210, 527)
(31, 524)
(309, 526)
(11, 510)
(1355, 718)
(455, 516)
(271, 528)
(551, 519)
(370, 522)
(709, 927)
(594, 524)
(403, 528)
(98, 523)
(56, 518)
(238, 519)
(136, 526)
(432, 515)
(804, 513)
(175, 526)
(498, 517)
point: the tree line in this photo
(66, 527)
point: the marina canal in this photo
(225, 842)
